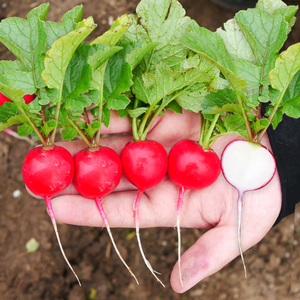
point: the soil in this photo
(273, 264)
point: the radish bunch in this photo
(144, 65)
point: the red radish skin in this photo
(97, 173)
(47, 172)
(28, 98)
(191, 166)
(247, 167)
(145, 165)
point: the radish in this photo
(246, 166)
(97, 173)
(144, 164)
(48, 171)
(191, 166)
(28, 98)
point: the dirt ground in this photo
(273, 264)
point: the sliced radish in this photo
(247, 166)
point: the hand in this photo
(213, 208)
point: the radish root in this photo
(51, 214)
(239, 213)
(102, 213)
(179, 207)
(136, 218)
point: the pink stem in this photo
(179, 207)
(137, 228)
(51, 214)
(98, 201)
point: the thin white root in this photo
(100, 208)
(240, 207)
(137, 229)
(179, 249)
(179, 207)
(63, 253)
(145, 259)
(119, 254)
(52, 217)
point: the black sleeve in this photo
(285, 143)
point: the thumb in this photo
(215, 249)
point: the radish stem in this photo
(136, 218)
(51, 214)
(98, 201)
(80, 132)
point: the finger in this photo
(214, 250)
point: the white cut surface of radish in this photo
(247, 166)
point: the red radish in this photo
(47, 172)
(247, 167)
(98, 172)
(28, 98)
(144, 164)
(191, 166)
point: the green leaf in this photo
(22, 80)
(219, 99)
(71, 18)
(98, 61)
(292, 107)
(98, 58)
(210, 46)
(192, 98)
(76, 103)
(69, 23)
(78, 74)
(266, 35)
(24, 130)
(48, 127)
(8, 65)
(235, 41)
(175, 107)
(68, 133)
(92, 129)
(8, 110)
(161, 22)
(58, 57)
(118, 80)
(136, 55)
(38, 40)
(286, 67)
(135, 113)
(15, 35)
(106, 116)
(34, 106)
(164, 82)
(249, 72)
(114, 34)
(17, 119)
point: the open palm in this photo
(213, 208)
